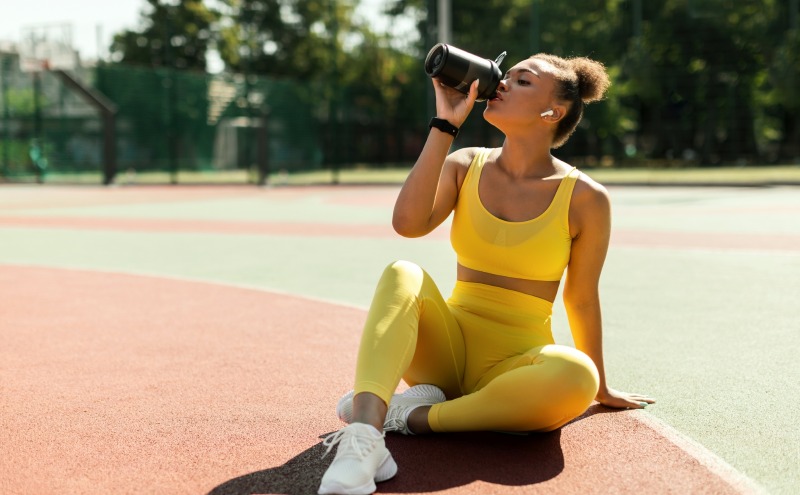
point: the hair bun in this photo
(593, 80)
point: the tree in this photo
(166, 106)
(691, 78)
(172, 35)
(523, 28)
(353, 76)
(708, 79)
(693, 74)
(297, 38)
(782, 96)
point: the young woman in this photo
(485, 359)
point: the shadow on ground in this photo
(427, 464)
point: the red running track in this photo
(114, 383)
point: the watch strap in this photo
(443, 126)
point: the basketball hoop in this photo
(47, 47)
(30, 64)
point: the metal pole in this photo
(6, 115)
(37, 144)
(108, 112)
(262, 150)
(169, 103)
(430, 40)
(98, 37)
(793, 27)
(637, 35)
(444, 18)
(37, 105)
(334, 105)
(535, 26)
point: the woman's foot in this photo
(361, 460)
(400, 406)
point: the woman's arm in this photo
(591, 216)
(431, 189)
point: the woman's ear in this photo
(559, 111)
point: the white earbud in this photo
(545, 114)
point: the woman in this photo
(485, 359)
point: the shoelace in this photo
(397, 416)
(394, 424)
(335, 438)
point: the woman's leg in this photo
(409, 333)
(540, 390)
(409, 330)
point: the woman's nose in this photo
(503, 86)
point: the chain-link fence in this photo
(226, 126)
(164, 121)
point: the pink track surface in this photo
(115, 383)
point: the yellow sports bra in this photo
(536, 249)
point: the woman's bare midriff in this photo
(542, 289)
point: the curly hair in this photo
(579, 81)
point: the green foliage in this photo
(176, 36)
(687, 74)
(522, 28)
(694, 71)
(784, 72)
(297, 38)
(160, 111)
(710, 79)
(21, 101)
(14, 157)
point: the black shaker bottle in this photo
(457, 69)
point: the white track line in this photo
(705, 457)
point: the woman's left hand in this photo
(624, 400)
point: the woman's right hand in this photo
(452, 105)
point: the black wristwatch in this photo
(443, 126)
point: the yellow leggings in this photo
(489, 349)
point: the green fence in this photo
(172, 122)
(176, 121)
(44, 126)
(166, 121)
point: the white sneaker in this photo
(361, 460)
(400, 406)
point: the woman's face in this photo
(524, 93)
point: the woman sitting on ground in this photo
(485, 359)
